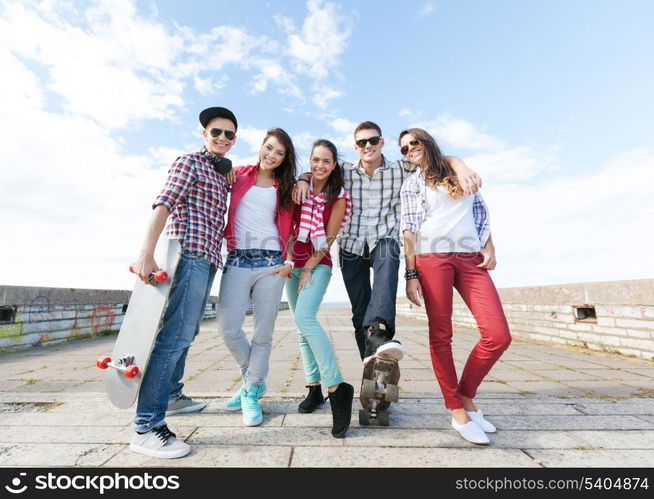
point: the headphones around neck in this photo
(221, 165)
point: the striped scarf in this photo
(312, 222)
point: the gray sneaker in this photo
(184, 404)
(159, 442)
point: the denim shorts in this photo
(254, 258)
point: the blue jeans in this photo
(253, 258)
(317, 352)
(378, 301)
(181, 323)
(246, 279)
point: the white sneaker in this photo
(481, 421)
(159, 442)
(393, 349)
(471, 432)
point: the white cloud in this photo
(316, 48)
(459, 133)
(209, 86)
(163, 156)
(252, 136)
(323, 94)
(518, 163)
(107, 62)
(427, 9)
(113, 71)
(492, 159)
(576, 228)
(343, 125)
(272, 71)
(406, 113)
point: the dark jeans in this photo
(376, 301)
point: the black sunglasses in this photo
(405, 149)
(229, 135)
(373, 141)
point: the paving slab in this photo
(630, 439)
(266, 436)
(48, 454)
(209, 456)
(348, 457)
(621, 407)
(578, 422)
(551, 388)
(74, 435)
(64, 420)
(593, 458)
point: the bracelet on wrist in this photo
(289, 262)
(303, 180)
(410, 274)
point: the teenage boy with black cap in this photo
(193, 202)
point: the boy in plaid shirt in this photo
(192, 206)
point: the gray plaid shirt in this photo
(376, 204)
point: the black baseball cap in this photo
(217, 112)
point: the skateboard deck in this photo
(129, 359)
(378, 389)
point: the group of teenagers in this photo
(279, 228)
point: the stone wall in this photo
(615, 316)
(32, 316)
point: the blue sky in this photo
(550, 101)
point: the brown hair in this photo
(284, 174)
(435, 166)
(367, 125)
(335, 180)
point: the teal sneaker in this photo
(252, 415)
(234, 404)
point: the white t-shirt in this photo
(254, 223)
(449, 224)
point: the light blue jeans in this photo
(317, 352)
(181, 323)
(246, 279)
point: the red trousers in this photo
(439, 274)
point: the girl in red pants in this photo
(448, 245)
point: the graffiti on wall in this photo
(40, 310)
(13, 332)
(102, 317)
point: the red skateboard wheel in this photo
(160, 276)
(102, 362)
(131, 372)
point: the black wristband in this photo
(303, 179)
(410, 274)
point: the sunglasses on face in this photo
(405, 149)
(215, 133)
(373, 141)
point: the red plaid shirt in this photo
(196, 196)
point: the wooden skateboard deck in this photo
(138, 331)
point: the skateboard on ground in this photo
(378, 389)
(138, 332)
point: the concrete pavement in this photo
(553, 406)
